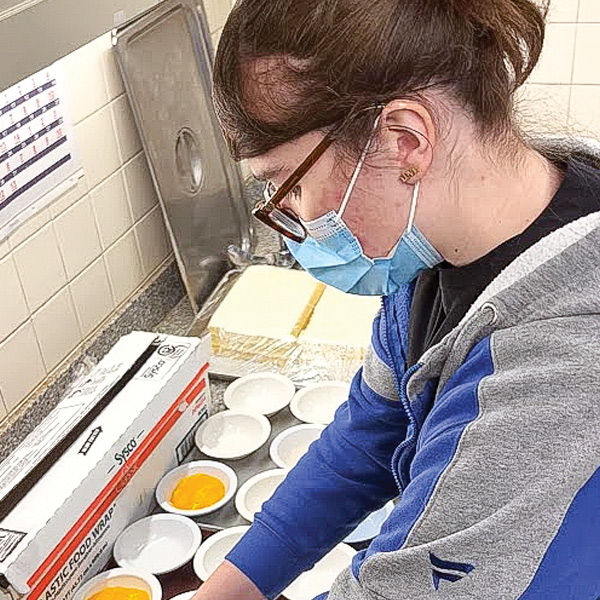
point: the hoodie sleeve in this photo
(344, 476)
(502, 498)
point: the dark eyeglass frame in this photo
(263, 208)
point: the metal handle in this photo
(243, 258)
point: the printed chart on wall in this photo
(37, 155)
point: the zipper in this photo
(413, 421)
(402, 387)
(385, 338)
(402, 395)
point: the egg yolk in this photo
(120, 593)
(197, 491)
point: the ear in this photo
(408, 133)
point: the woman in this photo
(478, 403)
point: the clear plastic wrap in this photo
(329, 343)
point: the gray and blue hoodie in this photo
(491, 442)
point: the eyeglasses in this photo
(280, 218)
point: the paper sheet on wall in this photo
(38, 159)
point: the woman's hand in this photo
(228, 583)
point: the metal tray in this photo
(165, 58)
(245, 468)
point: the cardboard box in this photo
(62, 531)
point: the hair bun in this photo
(363, 53)
(509, 26)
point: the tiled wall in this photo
(216, 15)
(563, 94)
(66, 271)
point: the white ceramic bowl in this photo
(292, 443)
(129, 578)
(164, 489)
(321, 577)
(215, 549)
(317, 403)
(259, 393)
(371, 526)
(157, 544)
(256, 490)
(230, 434)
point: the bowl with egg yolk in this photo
(120, 584)
(196, 488)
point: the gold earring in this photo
(408, 174)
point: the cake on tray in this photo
(286, 320)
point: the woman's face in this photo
(377, 210)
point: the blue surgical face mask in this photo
(333, 254)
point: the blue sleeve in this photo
(501, 497)
(391, 564)
(344, 476)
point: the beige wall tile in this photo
(556, 63)
(589, 11)
(215, 37)
(587, 66)
(83, 75)
(21, 365)
(69, 197)
(544, 108)
(4, 249)
(3, 409)
(140, 188)
(152, 239)
(12, 299)
(563, 11)
(57, 328)
(40, 267)
(585, 116)
(216, 13)
(35, 223)
(124, 267)
(112, 75)
(78, 237)
(92, 296)
(246, 172)
(128, 140)
(111, 208)
(97, 144)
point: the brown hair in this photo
(332, 58)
